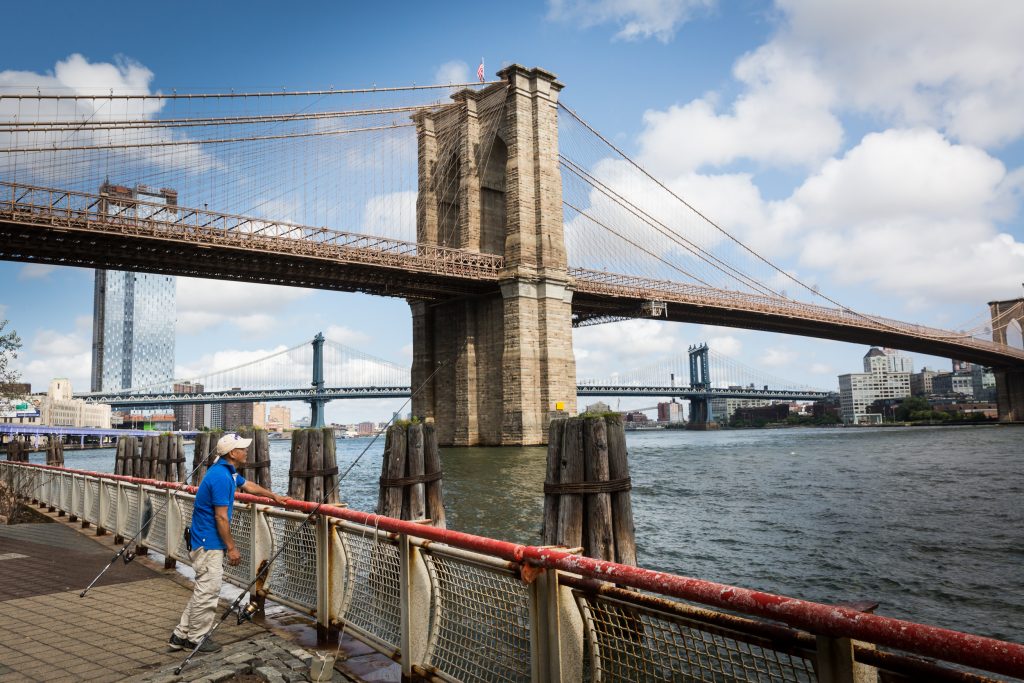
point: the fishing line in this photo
(129, 555)
(250, 610)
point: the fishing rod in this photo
(125, 553)
(250, 610)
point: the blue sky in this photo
(873, 146)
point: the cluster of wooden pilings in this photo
(586, 491)
(313, 474)
(17, 451)
(203, 454)
(161, 457)
(410, 477)
(55, 452)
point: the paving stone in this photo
(272, 675)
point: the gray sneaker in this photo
(208, 645)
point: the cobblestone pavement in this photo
(120, 629)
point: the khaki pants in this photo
(201, 609)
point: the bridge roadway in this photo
(330, 394)
(44, 225)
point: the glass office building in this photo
(133, 313)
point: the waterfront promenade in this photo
(119, 631)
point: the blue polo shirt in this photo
(216, 490)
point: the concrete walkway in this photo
(120, 629)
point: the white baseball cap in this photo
(230, 442)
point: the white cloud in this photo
(782, 118)
(452, 72)
(58, 353)
(951, 65)
(347, 336)
(392, 214)
(822, 369)
(774, 357)
(637, 19)
(726, 345)
(624, 346)
(205, 306)
(34, 271)
(77, 76)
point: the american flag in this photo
(480, 71)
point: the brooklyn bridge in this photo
(494, 209)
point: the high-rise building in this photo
(190, 415)
(858, 390)
(887, 360)
(259, 415)
(670, 411)
(280, 418)
(921, 382)
(238, 415)
(60, 409)
(133, 313)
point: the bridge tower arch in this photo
(1007, 320)
(489, 181)
(700, 378)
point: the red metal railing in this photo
(950, 646)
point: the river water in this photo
(928, 521)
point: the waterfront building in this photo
(190, 415)
(953, 384)
(213, 415)
(859, 390)
(921, 382)
(671, 411)
(133, 313)
(279, 418)
(887, 360)
(259, 415)
(238, 415)
(365, 428)
(983, 382)
(60, 409)
(722, 409)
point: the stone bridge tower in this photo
(489, 182)
(1006, 316)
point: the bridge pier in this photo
(492, 367)
(1007, 321)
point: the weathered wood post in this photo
(262, 458)
(119, 457)
(179, 458)
(410, 482)
(147, 457)
(297, 467)
(331, 467)
(586, 493)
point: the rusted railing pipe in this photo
(989, 654)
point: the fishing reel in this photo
(248, 612)
(128, 555)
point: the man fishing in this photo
(211, 539)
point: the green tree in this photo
(913, 408)
(9, 345)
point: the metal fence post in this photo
(103, 508)
(414, 595)
(171, 531)
(325, 633)
(556, 630)
(262, 548)
(835, 660)
(121, 513)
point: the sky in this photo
(874, 147)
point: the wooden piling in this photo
(571, 471)
(415, 468)
(410, 483)
(549, 530)
(298, 467)
(622, 505)
(147, 457)
(136, 451)
(432, 466)
(262, 458)
(119, 457)
(391, 502)
(597, 505)
(586, 490)
(330, 467)
(315, 466)
(179, 458)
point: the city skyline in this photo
(896, 202)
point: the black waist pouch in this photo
(188, 539)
